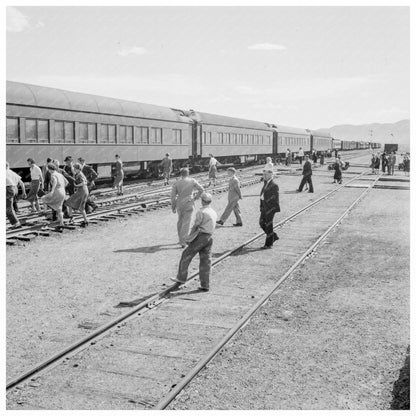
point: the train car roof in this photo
(215, 119)
(34, 95)
(287, 129)
(321, 133)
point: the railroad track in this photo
(166, 316)
(133, 192)
(142, 203)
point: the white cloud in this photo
(16, 21)
(267, 47)
(132, 50)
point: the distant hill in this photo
(381, 133)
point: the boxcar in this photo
(336, 144)
(47, 122)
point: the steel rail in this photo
(146, 203)
(163, 403)
(148, 303)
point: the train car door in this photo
(275, 146)
(196, 139)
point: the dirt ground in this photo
(66, 284)
(62, 286)
(333, 337)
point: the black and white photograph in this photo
(208, 206)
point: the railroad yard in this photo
(321, 321)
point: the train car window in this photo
(43, 131)
(12, 130)
(31, 131)
(59, 132)
(177, 136)
(156, 135)
(204, 137)
(111, 133)
(143, 134)
(129, 134)
(209, 138)
(122, 134)
(92, 133)
(69, 136)
(221, 138)
(82, 133)
(104, 134)
(227, 138)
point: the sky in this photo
(309, 67)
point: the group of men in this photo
(40, 184)
(198, 239)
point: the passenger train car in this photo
(46, 122)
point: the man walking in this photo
(13, 180)
(36, 183)
(307, 176)
(182, 198)
(391, 163)
(200, 241)
(212, 172)
(234, 195)
(269, 205)
(166, 166)
(91, 176)
(301, 154)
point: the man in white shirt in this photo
(36, 183)
(13, 180)
(212, 174)
(301, 154)
(199, 241)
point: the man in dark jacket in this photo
(269, 205)
(307, 176)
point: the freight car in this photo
(336, 144)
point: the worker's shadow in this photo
(150, 249)
(289, 192)
(246, 250)
(179, 292)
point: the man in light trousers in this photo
(184, 192)
(234, 195)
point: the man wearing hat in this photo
(269, 205)
(234, 195)
(199, 241)
(307, 176)
(182, 198)
(166, 165)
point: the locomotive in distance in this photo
(46, 122)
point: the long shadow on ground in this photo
(149, 249)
